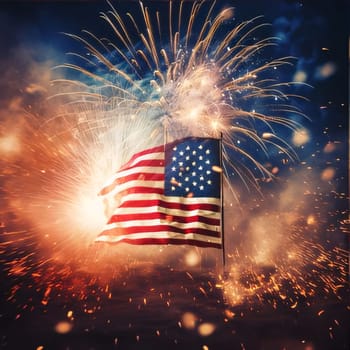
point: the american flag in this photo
(169, 194)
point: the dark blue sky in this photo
(304, 28)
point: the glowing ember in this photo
(63, 327)
(192, 258)
(300, 137)
(189, 320)
(328, 174)
(206, 329)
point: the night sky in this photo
(148, 303)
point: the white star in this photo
(187, 148)
(181, 153)
(194, 152)
(186, 178)
(173, 168)
(200, 147)
(208, 172)
(209, 182)
(201, 187)
(200, 157)
(174, 158)
(207, 161)
(207, 151)
(187, 158)
(194, 173)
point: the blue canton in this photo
(192, 168)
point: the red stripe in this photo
(140, 177)
(143, 241)
(145, 162)
(170, 205)
(164, 216)
(132, 177)
(158, 228)
(156, 149)
(141, 189)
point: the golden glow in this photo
(9, 145)
(311, 220)
(189, 320)
(300, 137)
(206, 329)
(63, 327)
(300, 77)
(330, 147)
(328, 174)
(192, 258)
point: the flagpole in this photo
(222, 206)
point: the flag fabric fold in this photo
(169, 194)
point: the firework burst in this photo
(207, 84)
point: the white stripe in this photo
(160, 235)
(170, 199)
(123, 173)
(169, 211)
(148, 156)
(135, 183)
(141, 169)
(157, 222)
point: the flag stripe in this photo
(148, 230)
(163, 216)
(163, 209)
(137, 170)
(140, 176)
(159, 225)
(144, 241)
(141, 189)
(118, 177)
(143, 203)
(215, 202)
(153, 153)
(137, 183)
(148, 163)
(162, 233)
(142, 185)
